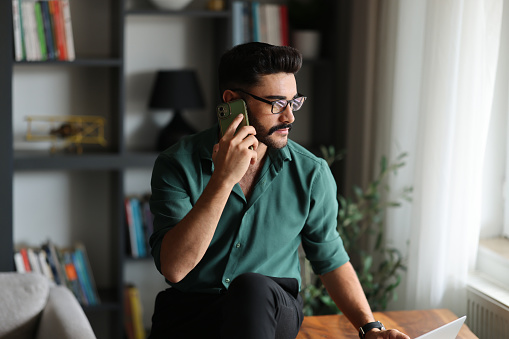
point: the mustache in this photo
(278, 127)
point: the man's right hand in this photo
(233, 155)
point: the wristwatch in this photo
(368, 327)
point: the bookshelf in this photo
(81, 196)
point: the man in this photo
(231, 212)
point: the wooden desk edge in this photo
(414, 323)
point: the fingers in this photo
(215, 149)
(230, 131)
(243, 132)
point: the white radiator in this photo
(486, 317)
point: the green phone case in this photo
(226, 113)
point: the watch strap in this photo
(368, 327)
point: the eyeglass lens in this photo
(280, 105)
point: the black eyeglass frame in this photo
(293, 101)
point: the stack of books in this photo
(139, 222)
(42, 30)
(64, 266)
(261, 22)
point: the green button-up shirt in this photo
(293, 201)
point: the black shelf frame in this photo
(99, 161)
(6, 135)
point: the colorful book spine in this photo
(237, 23)
(18, 31)
(59, 29)
(131, 230)
(82, 279)
(285, 30)
(53, 263)
(255, 12)
(48, 30)
(69, 39)
(81, 252)
(72, 277)
(26, 261)
(34, 261)
(19, 263)
(45, 268)
(40, 31)
(26, 10)
(136, 312)
(148, 221)
(138, 226)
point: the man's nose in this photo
(287, 115)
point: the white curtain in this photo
(440, 82)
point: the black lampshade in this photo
(176, 90)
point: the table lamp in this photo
(176, 90)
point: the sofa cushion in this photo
(63, 317)
(23, 296)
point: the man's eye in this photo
(280, 103)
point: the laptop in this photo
(448, 331)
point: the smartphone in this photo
(227, 112)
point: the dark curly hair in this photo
(243, 65)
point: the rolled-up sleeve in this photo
(169, 201)
(320, 238)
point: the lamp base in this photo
(176, 129)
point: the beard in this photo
(265, 136)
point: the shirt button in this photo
(227, 280)
(238, 245)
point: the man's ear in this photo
(230, 95)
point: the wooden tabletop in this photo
(413, 323)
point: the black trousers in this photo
(255, 306)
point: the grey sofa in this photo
(33, 307)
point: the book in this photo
(131, 231)
(135, 311)
(59, 29)
(19, 263)
(26, 261)
(27, 9)
(255, 13)
(92, 293)
(82, 279)
(237, 22)
(128, 315)
(33, 258)
(17, 30)
(148, 220)
(284, 24)
(273, 24)
(72, 277)
(247, 22)
(45, 268)
(48, 30)
(138, 227)
(53, 262)
(69, 39)
(41, 39)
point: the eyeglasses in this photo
(279, 106)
